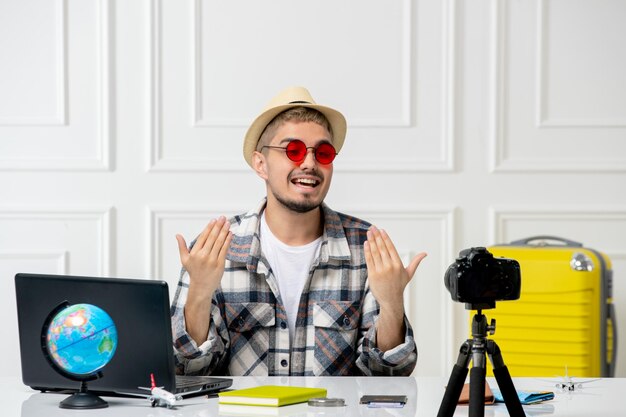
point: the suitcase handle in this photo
(611, 318)
(526, 241)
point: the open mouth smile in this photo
(306, 182)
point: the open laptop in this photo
(140, 310)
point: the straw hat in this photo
(286, 99)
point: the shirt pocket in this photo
(336, 334)
(249, 326)
(243, 317)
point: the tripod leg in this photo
(455, 384)
(505, 383)
(477, 382)
(477, 392)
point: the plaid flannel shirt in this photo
(248, 332)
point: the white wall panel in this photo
(54, 78)
(205, 90)
(81, 235)
(34, 83)
(558, 95)
(599, 228)
(579, 84)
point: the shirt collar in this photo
(245, 246)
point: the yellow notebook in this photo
(270, 395)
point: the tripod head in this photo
(480, 328)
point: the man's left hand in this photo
(387, 280)
(387, 275)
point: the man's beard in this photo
(298, 207)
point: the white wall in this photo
(470, 123)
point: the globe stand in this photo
(83, 400)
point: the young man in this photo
(292, 287)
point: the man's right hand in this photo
(205, 265)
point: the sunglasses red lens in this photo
(296, 151)
(325, 153)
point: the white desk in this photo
(603, 398)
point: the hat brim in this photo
(335, 118)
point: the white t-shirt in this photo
(291, 266)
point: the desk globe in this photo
(79, 340)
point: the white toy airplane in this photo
(568, 383)
(160, 396)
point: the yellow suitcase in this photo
(565, 315)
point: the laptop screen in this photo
(139, 309)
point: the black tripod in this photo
(474, 349)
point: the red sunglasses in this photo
(296, 150)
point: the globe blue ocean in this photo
(81, 339)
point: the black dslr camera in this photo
(478, 279)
